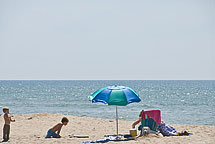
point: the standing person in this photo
(57, 128)
(6, 129)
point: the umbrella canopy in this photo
(115, 95)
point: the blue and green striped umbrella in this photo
(115, 95)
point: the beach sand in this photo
(32, 128)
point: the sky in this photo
(107, 40)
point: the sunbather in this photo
(138, 120)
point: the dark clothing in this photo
(50, 134)
(6, 132)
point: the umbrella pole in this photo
(116, 122)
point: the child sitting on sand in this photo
(52, 132)
(6, 129)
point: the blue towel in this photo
(106, 139)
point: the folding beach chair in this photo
(151, 119)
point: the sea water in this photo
(182, 102)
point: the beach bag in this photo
(167, 130)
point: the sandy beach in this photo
(32, 128)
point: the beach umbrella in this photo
(115, 95)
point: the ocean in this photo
(180, 102)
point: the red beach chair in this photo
(151, 119)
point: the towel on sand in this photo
(106, 139)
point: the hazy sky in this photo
(107, 39)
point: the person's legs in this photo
(6, 132)
(50, 134)
(54, 135)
